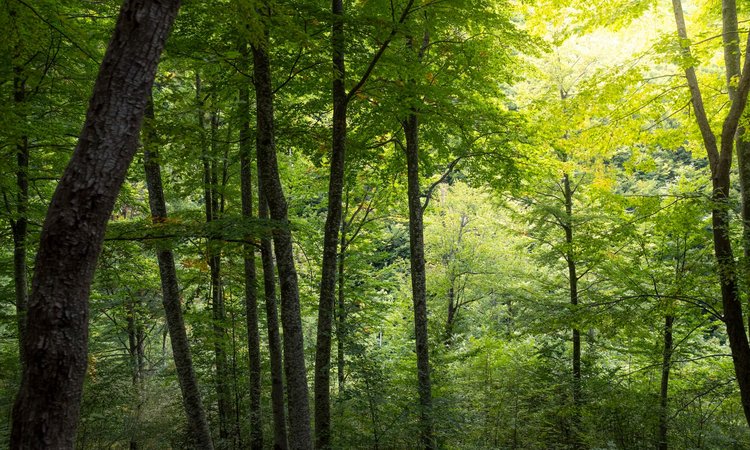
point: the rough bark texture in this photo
(274, 338)
(46, 410)
(191, 398)
(720, 160)
(330, 240)
(19, 226)
(666, 366)
(298, 402)
(341, 310)
(418, 281)
(251, 294)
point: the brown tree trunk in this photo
(418, 281)
(341, 310)
(213, 254)
(330, 240)
(333, 217)
(191, 398)
(666, 366)
(45, 414)
(720, 159)
(272, 323)
(251, 295)
(300, 436)
(733, 64)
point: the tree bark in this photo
(251, 295)
(330, 240)
(720, 160)
(733, 64)
(46, 410)
(333, 217)
(418, 281)
(666, 366)
(300, 436)
(341, 309)
(191, 398)
(272, 323)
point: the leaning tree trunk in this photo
(191, 398)
(251, 294)
(418, 280)
(300, 436)
(45, 414)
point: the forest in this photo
(374, 224)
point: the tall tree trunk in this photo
(19, 225)
(333, 217)
(191, 398)
(251, 294)
(418, 281)
(136, 350)
(720, 159)
(272, 323)
(570, 258)
(45, 414)
(213, 254)
(666, 366)
(330, 239)
(300, 436)
(733, 64)
(341, 309)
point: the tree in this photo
(47, 407)
(720, 159)
(191, 397)
(270, 184)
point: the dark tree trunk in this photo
(733, 64)
(136, 350)
(720, 159)
(341, 311)
(418, 281)
(666, 366)
(333, 218)
(570, 257)
(452, 307)
(251, 294)
(45, 414)
(191, 398)
(19, 226)
(300, 436)
(213, 254)
(330, 240)
(272, 323)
